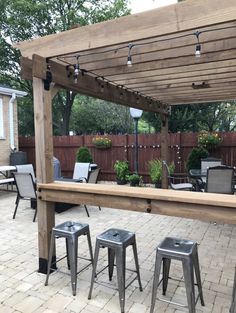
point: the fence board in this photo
(181, 144)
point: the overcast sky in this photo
(144, 5)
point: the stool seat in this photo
(70, 228)
(116, 236)
(177, 247)
(116, 241)
(70, 231)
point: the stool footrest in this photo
(176, 303)
(172, 302)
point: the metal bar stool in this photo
(185, 251)
(116, 240)
(70, 231)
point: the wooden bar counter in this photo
(202, 206)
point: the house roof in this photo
(165, 69)
(6, 90)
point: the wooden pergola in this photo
(164, 72)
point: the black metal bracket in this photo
(48, 79)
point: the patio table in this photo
(5, 169)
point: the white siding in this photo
(2, 135)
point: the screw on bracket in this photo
(149, 207)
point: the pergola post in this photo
(44, 166)
(164, 149)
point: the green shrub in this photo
(83, 155)
(195, 156)
(122, 170)
(135, 180)
(155, 170)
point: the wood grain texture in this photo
(207, 206)
(88, 85)
(171, 19)
(44, 161)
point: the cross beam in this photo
(88, 84)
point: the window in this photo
(1, 120)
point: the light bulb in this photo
(129, 61)
(198, 51)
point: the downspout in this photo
(11, 122)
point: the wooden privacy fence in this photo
(180, 145)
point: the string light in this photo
(77, 70)
(131, 45)
(198, 45)
(129, 59)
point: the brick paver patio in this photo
(22, 288)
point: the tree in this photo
(195, 117)
(92, 116)
(26, 19)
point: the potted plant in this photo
(135, 180)
(155, 172)
(102, 142)
(83, 155)
(122, 171)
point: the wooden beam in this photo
(198, 99)
(186, 15)
(209, 34)
(174, 72)
(169, 63)
(189, 91)
(187, 88)
(211, 78)
(44, 166)
(218, 46)
(88, 85)
(208, 207)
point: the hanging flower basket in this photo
(102, 142)
(208, 140)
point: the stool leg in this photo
(166, 271)
(94, 268)
(157, 272)
(67, 254)
(189, 284)
(137, 265)
(198, 276)
(52, 243)
(111, 258)
(73, 253)
(120, 266)
(90, 246)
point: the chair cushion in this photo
(184, 186)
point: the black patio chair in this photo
(93, 178)
(220, 179)
(179, 186)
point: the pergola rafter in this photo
(165, 72)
